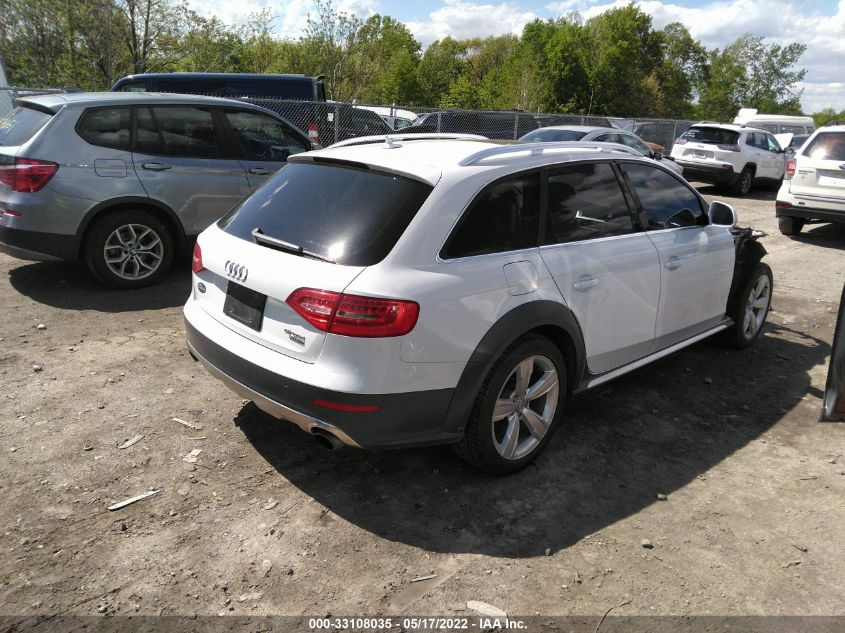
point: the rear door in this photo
(696, 259)
(184, 160)
(265, 143)
(820, 172)
(607, 271)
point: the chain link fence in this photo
(327, 122)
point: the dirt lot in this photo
(268, 522)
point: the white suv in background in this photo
(424, 289)
(813, 188)
(731, 155)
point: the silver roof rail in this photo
(419, 136)
(537, 149)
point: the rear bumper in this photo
(707, 173)
(38, 246)
(402, 419)
(810, 213)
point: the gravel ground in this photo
(264, 521)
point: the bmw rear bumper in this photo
(38, 246)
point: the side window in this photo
(263, 138)
(133, 86)
(187, 131)
(504, 217)
(636, 144)
(666, 202)
(609, 138)
(106, 127)
(147, 138)
(585, 203)
(771, 143)
(750, 139)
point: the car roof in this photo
(428, 160)
(200, 75)
(832, 128)
(578, 128)
(55, 101)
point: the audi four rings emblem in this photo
(236, 271)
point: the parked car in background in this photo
(495, 124)
(462, 290)
(125, 180)
(731, 155)
(813, 188)
(797, 141)
(600, 134)
(396, 118)
(296, 98)
(352, 122)
(658, 134)
(776, 123)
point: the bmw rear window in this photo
(713, 135)
(20, 125)
(348, 214)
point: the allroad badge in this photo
(236, 271)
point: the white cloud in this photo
(462, 19)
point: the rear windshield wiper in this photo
(273, 242)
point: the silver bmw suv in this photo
(124, 181)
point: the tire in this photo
(743, 184)
(141, 247)
(485, 443)
(749, 320)
(789, 225)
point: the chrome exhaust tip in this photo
(326, 439)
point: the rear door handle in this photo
(155, 166)
(260, 171)
(673, 262)
(585, 282)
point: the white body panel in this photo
(612, 286)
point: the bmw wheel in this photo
(752, 309)
(129, 249)
(517, 408)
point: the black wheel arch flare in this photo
(547, 318)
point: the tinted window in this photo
(504, 217)
(181, 131)
(554, 135)
(608, 138)
(826, 146)
(263, 138)
(771, 143)
(20, 125)
(585, 202)
(215, 88)
(108, 127)
(133, 86)
(299, 89)
(714, 135)
(666, 202)
(353, 216)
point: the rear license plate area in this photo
(244, 305)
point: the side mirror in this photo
(722, 214)
(789, 151)
(658, 155)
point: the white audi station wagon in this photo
(425, 289)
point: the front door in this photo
(182, 161)
(696, 259)
(608, 274)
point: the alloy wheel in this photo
(525, 407)
(756, 307)
(133, 251)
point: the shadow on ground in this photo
(825, 235)
(758, 192)
(653, 431)
(71, 287)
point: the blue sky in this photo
(820, 24)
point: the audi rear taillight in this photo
(791, 164)
(313, 133)
(354, 315)
(196, 259)
(729, 148)
(27, 175)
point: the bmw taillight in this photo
(791, 164)
(27, 175)
(354, 315)
(729, 148)
(196, 259)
